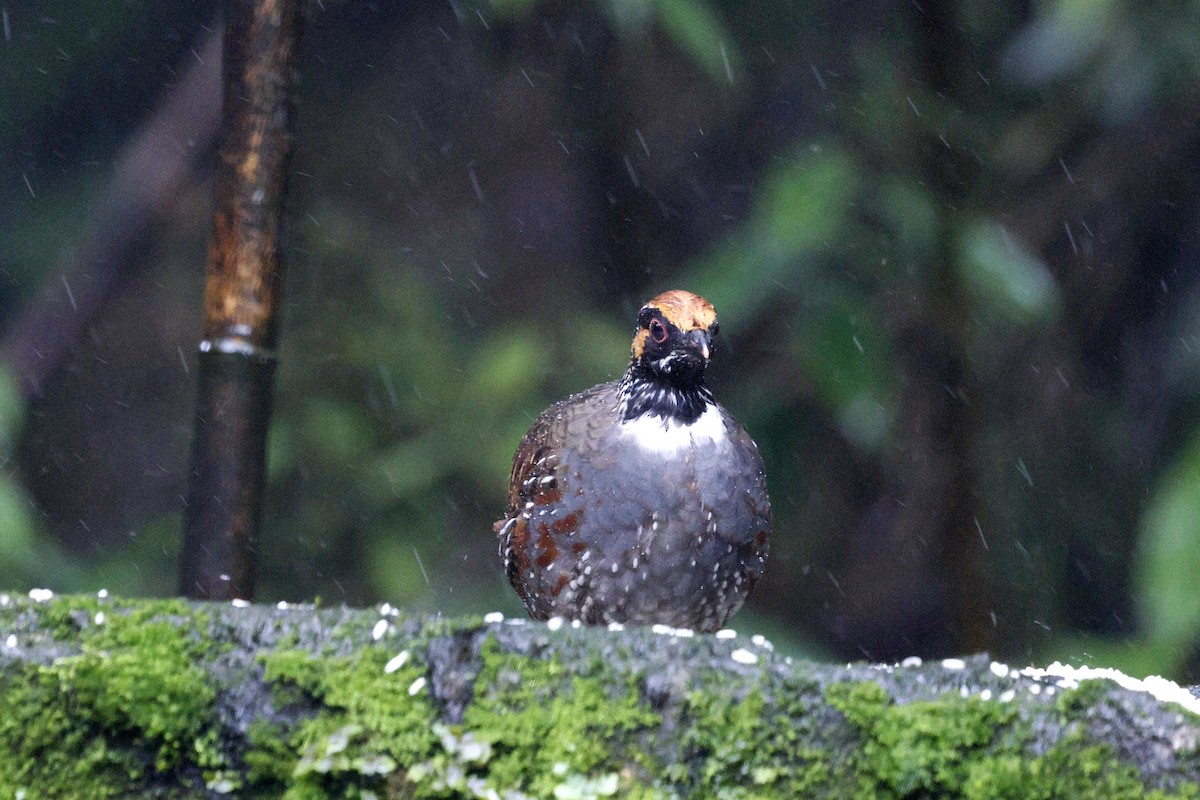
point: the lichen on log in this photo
(107, 697)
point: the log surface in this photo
(108, 697)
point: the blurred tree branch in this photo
(149, 173)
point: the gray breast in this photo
(675, 538)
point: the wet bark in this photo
(244, 277)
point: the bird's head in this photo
(674, 337)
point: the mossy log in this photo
(101, 697)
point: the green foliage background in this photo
(954, 253)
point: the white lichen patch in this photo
(667, 630)
(416, 686)
(758, 640)
(493, 618)
(40, 595)
(4, 600)
(102, 594)
(99, 618)
(396, 662)
(282, 605)
(222, 785)
(11, 641)
(1068, 677)
(380, 629)
(615, 627)
(953, 663)
(238, 602)
(912, 661)
(554, 623)
(998, 669)
(743, 656)
(727, 633)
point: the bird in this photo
(640, 501)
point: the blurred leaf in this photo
(804, 202)
(597, 350)
(335, 431)
(801, 211)
(693, 25)
(1004, 277)
(282, 452)
(406, 470)
(16, 522)
(697, 30)
(146, 564)
(505, 366)
(1061, 39)
(1126, 80)
(12, 411)
(1169, 560)
(848, 356)
(397, 569)
(628, 17)
(907, 209)
(16, 527)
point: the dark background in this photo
(953, 247)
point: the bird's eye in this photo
(658, 331)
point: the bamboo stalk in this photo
(244, 276)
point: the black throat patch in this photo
(643, 391)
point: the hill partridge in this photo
(640, 501)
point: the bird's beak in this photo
(701, 341)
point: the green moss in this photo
(533, 727)
(1071, 769)
(148, 689)
(1087, 695)
(551, 732)
(974, 749)
(369, 728)
(270, 760)
(918, 747)
(743, 748)
(294, 674)
(129, 704)
(44, 750)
